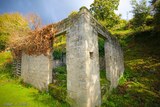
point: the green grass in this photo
(15, 93)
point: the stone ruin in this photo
(82, 60)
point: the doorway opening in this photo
(102, 66)
(58, 87)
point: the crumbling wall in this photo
(37, 70)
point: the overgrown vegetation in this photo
(139, 37)
(59, 47)
(138, 86)
(58, 89)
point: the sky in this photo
(55, 10)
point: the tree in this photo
(34, 21)
(156, 9)
(10, 23)
(140, 12)
(103, 11)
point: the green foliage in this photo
(3, 40)
(60, 76)
(101, 46)
(58, 89)
(59, 47)
(140, 12)
(149, 20)
(73, 13)
(156, 6)
(60, 70)
(121, 25)
(57, 92)
(105, 87)
(124, 36)
(6, 70)
(103, 11)
(47, 100)
(58, 54)
(122, 80)
(10, 23)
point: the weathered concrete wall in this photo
(83, 83)
(37, 70)
(113, 52)
(114, 61)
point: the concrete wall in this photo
(114, 61)
(37, 70)
(83, 83)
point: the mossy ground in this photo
(139, 86)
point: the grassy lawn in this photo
(13, 94)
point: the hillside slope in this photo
(139, 87)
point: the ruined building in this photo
(82, 60)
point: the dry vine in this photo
(33, 42)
